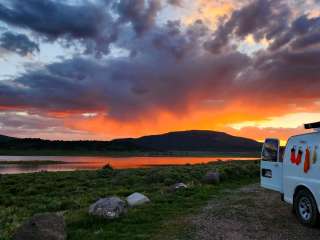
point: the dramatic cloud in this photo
(176, 2)
(86, 85)
(284, 76)
(18, 43)
(304, 32)
(92, 24)
(261, 18)
(88, 22)
(138, 13)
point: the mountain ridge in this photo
(189, 140)
(177, 141)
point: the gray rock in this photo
(109, 208)
(136, 199)
(178, 186)
(211, 177)
(47, 226)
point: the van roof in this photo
(304, 134)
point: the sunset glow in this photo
(133, 68)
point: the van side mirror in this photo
(270, 150)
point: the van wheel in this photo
(306, 208)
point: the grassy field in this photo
(72, 192)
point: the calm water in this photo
(72, 163)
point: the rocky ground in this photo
(249, 213)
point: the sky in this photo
(104, 69)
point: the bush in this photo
(108, 166)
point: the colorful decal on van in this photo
(299, 156)
(314, 154)
(306, 165)
(293, 155)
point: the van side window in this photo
(270, 150)
(281, 153)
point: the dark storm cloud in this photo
(304, 32)
(307, 40)
(261, 18)
(172, 40)
(53, 18)
(124, 88)
(18, 43)
(176, 2)
(284, 77)
(93, 24)
(139, 13)
(87, 22)
(61, 85)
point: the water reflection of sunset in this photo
(91, 163)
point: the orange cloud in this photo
(209, 12)
(208, 116)
(262, 133)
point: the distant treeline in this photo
(33, 145)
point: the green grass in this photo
(72, 192)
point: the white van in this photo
(295, 172)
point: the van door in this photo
(271, 165)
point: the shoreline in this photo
(26, 165)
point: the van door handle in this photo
(276, 165)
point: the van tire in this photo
(305, 208)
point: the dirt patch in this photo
(249, 213)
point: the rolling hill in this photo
(194, 140)
(4, 138)
(182, 141)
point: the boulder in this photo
(47, 226)
(108, 208)
(136, 199)
(211, 177)
(178, 186)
